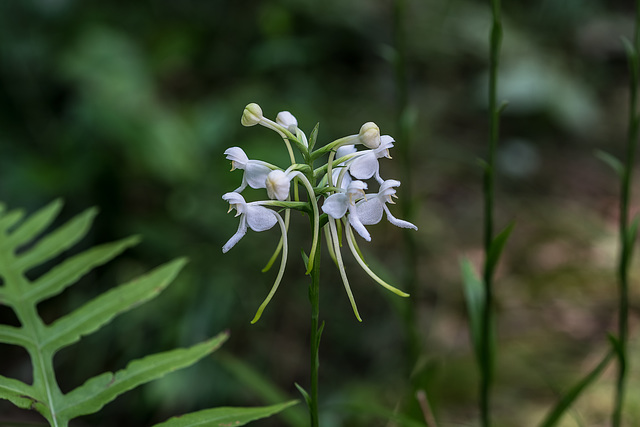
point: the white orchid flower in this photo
(370, 209)
(278, 184)
(365, 165)
(255, 171)
(257, 218)
(337, 205)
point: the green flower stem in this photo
(351, 139)
(316, 217)
(316, 332)
(323, 169)
(486, 356)
(626, 241)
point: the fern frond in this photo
(21, 249)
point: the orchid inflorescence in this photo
(340, 182)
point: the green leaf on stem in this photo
(225, 416)
(305, 258)
(567, 400)
(632, 56)
(304, 394)
(474, 295)
(314, 136)
(495, 250)
(612, 161)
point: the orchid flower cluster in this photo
(337, 188)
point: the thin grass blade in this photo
(474, 295)
(567, 400)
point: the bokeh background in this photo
(129, 106)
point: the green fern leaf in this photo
(22, 250)
(96, 392)
(225, 416)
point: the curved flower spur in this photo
(340, 181)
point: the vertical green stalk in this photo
(486, 356)
(403, 142)
(627, 233)
(316, 332)
(314, 299)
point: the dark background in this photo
(129, 106)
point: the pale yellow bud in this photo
(252, 115)
(370, 135)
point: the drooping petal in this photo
(343, 273)
(370, 210)
(357, 225)
(364, 166)
(260, 218)
(256, 174)
(357, 256)
(283, 263)
(242, 230)
(237, 156)
(398, 222)
(336, 205)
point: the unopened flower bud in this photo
(252, 115)
(370, 135)
(287, 120)
(278, 184)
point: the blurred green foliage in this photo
(129, 106)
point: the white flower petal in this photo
(398, 222)
(345, 150)
(237, 156)
(256, 174)
(278, 184)
(260, 218)
(370, 210)
(336, 205)
(364, 166)
(358, 226)
(287, 120)
(242, 230)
